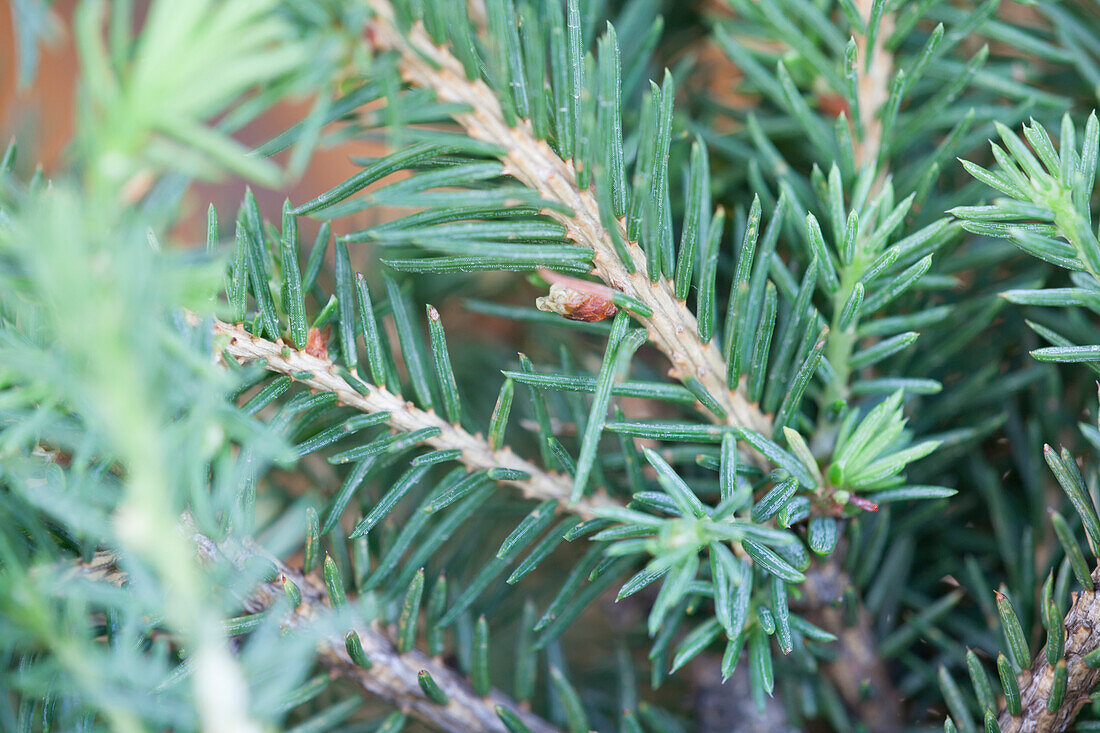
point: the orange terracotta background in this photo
(42, 115)
(41, 118)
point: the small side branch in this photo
(477, 455)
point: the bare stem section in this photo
(1082, 626)
(857, 670)
(477, 455)
(673, 327)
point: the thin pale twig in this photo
(321, 374)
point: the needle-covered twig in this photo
(672, 327)
(322, 375)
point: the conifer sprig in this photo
(474, 452)
(560, 174)
(752, 533)
(672, 327)
(1045, 211)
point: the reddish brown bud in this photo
(316, 344)
(865, 504)
(576, 299)
(575, 305)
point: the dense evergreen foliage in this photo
(672, 367)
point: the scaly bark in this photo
(1082, 625)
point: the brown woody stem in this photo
(1082, 626)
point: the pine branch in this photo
(393, 676)
(477, 455)
(672, 327)
(856, 665)
(1082, 636)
